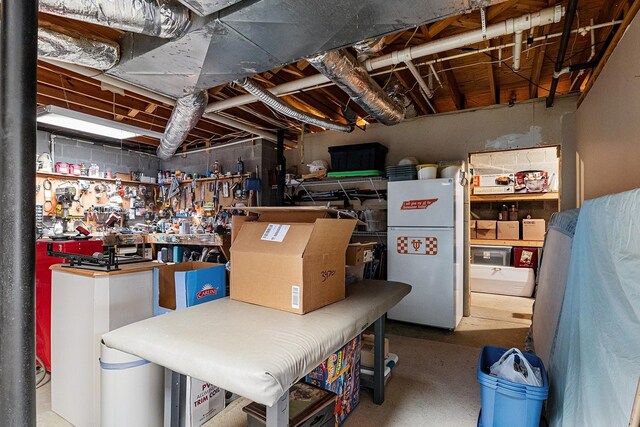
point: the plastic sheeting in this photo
(595, 362)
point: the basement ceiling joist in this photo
(469, 80)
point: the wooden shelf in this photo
(213, 178)
(88, 178)
(491, 242)
(532, 197)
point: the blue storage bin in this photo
(505, 403)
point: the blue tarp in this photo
(595, 361)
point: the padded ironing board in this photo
(255, 351)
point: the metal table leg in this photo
(378, 361)
(278, 413)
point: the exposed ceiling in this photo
(471, 79)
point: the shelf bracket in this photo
(343, 190)
(373, 186)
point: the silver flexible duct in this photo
(99, 54)
(368, 48)
(160, 18)
(185, 116)
(343, 69)
(282, 107)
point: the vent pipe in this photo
(185, 116)
(159, 18)
(282, 107)
(342, 68)
(99, 54)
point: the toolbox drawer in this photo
(491, 255)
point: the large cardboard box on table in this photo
(340, 373)
(290, 259)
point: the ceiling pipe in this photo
(428, 94)
(159, 18)
(242, 126)
(517, 51)
(525, 22)
(564, 43)
(99, 54)
(343, 69)
(591, 56)
(184, 117)
(282, 107)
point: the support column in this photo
(18, 61)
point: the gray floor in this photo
(434, 383)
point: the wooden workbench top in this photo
(124, 269)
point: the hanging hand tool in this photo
(49, 205)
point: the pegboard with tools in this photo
(70, 197)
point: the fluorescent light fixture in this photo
(69, 119)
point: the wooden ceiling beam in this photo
(538, 61)
(496, 10)
(494, 88)
(417, 99)
(439, 26)
(454, 90)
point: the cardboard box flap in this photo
(272, 238)
(486, 225)
(330, 235)
(290, 214)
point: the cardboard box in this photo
(366, 350)
(508, 230)
(525, 257)
(340, 373)
(473, 233)
(185, 284)
(494, 180)
(308, 249)
(205, 401)
(507, 189)
(533, 229)
(359, 253)
(486, 229)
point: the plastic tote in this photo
(506, 403)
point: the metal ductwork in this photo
(343, 69)
(159, 18)
(185, 115)
(99, 54)
(282, 107)
(368, 48)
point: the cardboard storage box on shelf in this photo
(340, 373)
(508, 230)
(507, 189)
(494, 180)
(308, 248)
(366, 350)
(359, 253)
(533, 229)
(486, 229)
(473, 233)
(185, 284)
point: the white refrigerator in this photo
(425, 250)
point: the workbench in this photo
(258, 352)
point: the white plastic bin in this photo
(132, 390)
(491, 279)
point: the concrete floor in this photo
(434, 383)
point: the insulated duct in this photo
(99, 54)
(159, 18)
(185, 115)
(282, 107)
(368, 48)
(348, 75)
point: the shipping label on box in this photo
(508, 230)
(486, 229)
(205, 401)
(494, 180)
(340, 373)
(533, 229)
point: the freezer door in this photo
(421, 203)
(424, 258)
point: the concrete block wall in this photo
(112, 159)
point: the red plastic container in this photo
(525, 257)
